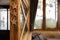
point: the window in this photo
(3, 19)
(21, 19)
(39, 15)
(51, 12)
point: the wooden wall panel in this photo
(14, 20)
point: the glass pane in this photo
(21, 20)
(51, 13)
(39, 15)
(3, 19)
(8, 19)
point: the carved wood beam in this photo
(14, 19)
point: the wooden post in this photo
(58, 14)
(14, 19)
(44, 15)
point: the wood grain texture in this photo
(25, 7)
(14, 20)
(58, 14)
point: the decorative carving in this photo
(14, 19)
(14, 16)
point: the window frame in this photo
(44, 20)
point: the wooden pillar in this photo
(14, 20)
(58, 14)
(44, 15)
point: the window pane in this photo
(21, 20)
(39, 15)
(3, 19)
(8, 19)
(51, 13)
(22, 14)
